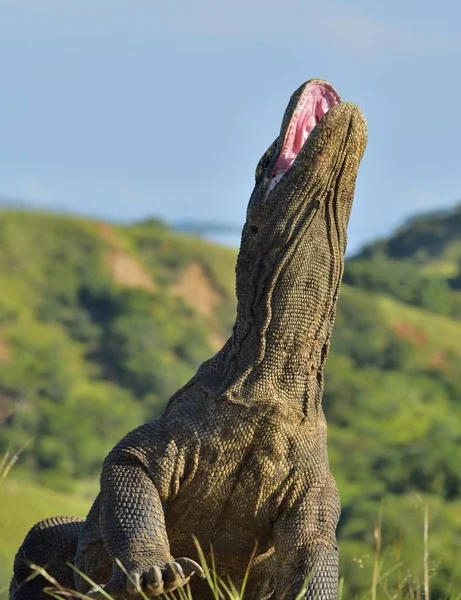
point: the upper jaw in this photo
(340, 129)
(307, 106)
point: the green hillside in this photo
(99, 324)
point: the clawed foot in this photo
(153, 583)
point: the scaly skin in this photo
(48, 544)
(239, 458)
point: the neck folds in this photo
(281, 337)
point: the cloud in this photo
(306, 24)
(296, 24)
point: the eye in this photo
(262, 166)
(265, 161)
(254, 229)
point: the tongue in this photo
(315, 102)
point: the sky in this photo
(144, 108)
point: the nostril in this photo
(254, 229)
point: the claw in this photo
(173, 576)
(112, 589)
(177, 567)
(154, 580)
(190, 567)
(133, 584)
(96, 594)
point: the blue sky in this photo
(137, 108)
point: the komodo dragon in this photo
(239, 457)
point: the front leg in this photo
(305, 545)
(142, 473)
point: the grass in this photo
(220, 589)
(38, 502)
(407, 587)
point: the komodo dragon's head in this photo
(305, 181)
(291, 256)
(296, 226)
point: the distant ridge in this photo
(208, 227)
(11, 203)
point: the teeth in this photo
(274, 181)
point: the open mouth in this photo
(316, 100)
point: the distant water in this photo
(231, 240)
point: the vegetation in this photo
(100, 324)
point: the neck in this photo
(285, 316)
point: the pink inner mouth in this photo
(314, 103)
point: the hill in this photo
(99, 324)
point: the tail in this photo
(50, 544)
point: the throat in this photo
(254, 369)
(278, 348)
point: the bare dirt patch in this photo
(125, 269)
(127, 272)
(109, 234)
(197, 290)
